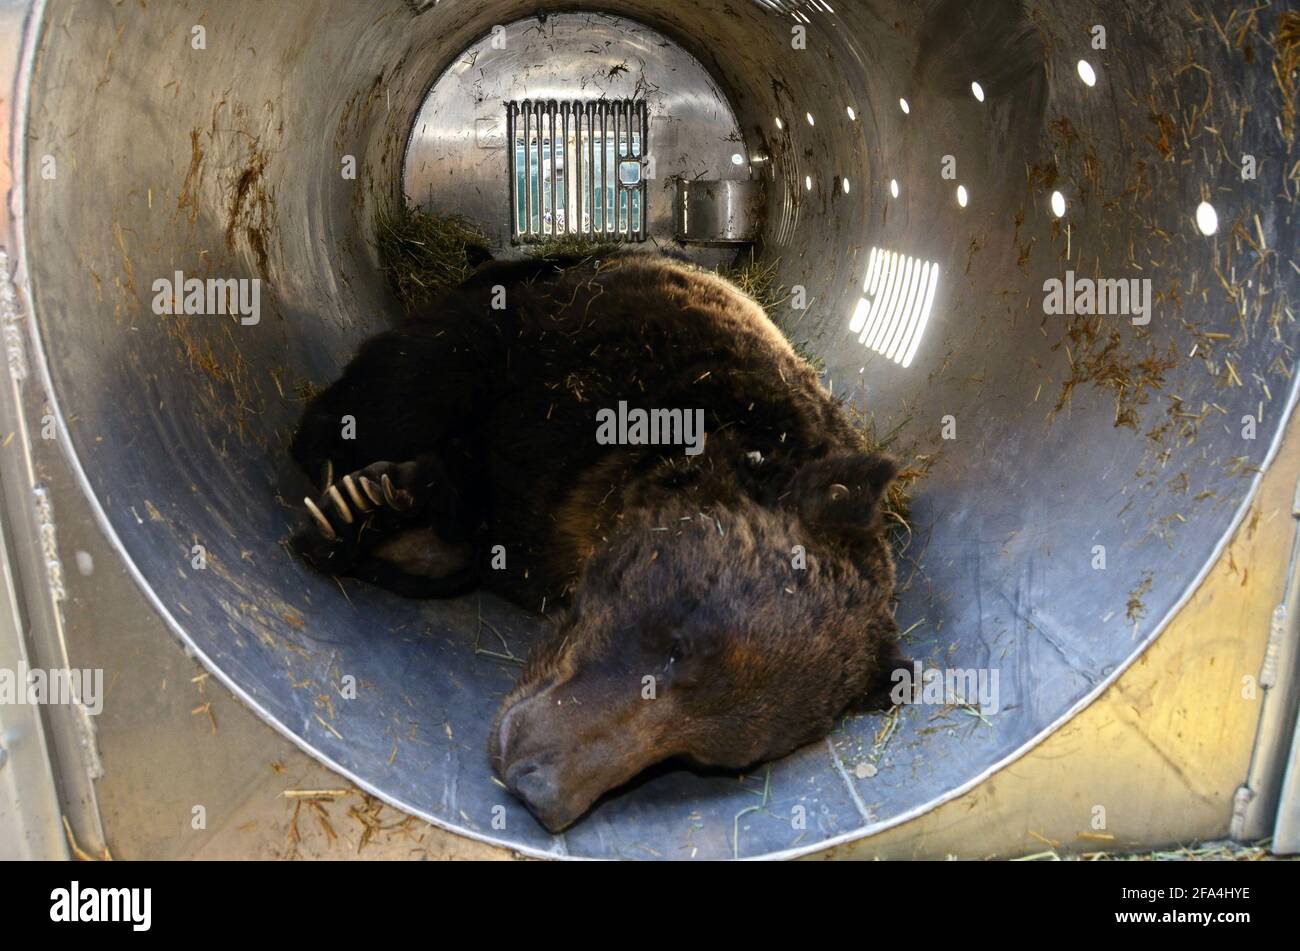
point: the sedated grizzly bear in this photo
(721, 606)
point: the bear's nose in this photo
(536, 785)
(511, 725)
(528, 775)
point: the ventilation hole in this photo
(1207, 219)
(873, 267)
(859, 317)
(891, 341)
(883, 281)
(1058, 204)
(853, 116)
(737, 159)
(779, 123)
(811, 120)
(807, 182)
(846, 186)
(893, 187)
(1087, 73)
(977, 91)
(924, 316)
(962, 196)
(902, 104)
(890, 311)
(892, 315)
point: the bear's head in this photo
(717, 624)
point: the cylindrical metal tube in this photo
(1055, 437)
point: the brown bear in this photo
(719, 597)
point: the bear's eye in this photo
(677, 652)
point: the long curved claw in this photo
(337, 498)
(398, 499)
(354, 493)
(321, 521)
(372, 491)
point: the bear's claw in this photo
(342, 513)
(340, 504)
(371, 491)
(398, 499)
(321, 521)
(358, 500)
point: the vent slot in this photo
(892, 316)
(576, 168)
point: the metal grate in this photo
(576, 168)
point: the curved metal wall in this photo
(1046, 435)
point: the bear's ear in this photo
(842, 492)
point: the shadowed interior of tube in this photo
(1082, 468)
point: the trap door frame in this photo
(577, 169)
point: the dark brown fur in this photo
(685, 628)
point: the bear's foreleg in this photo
(402, 526)
(405, 393)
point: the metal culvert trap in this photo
(1051, 242)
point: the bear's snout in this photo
(532, 757)
(562, 744)
(537, 786)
